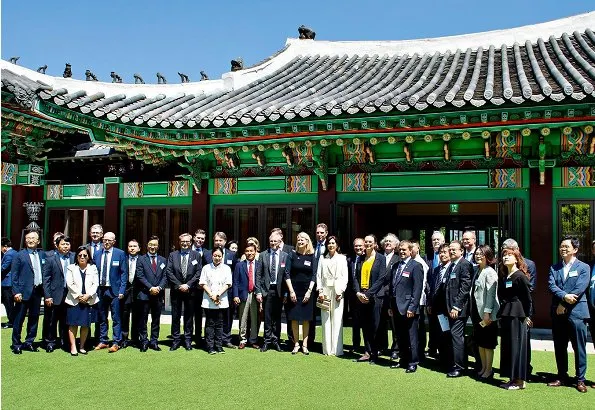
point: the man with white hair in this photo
(390, 244)
(469, 243)
(421, 338)
(433, 262)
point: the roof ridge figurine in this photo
(237, 64)
(161, 79)
(42, 69)
(115, 77)
(67, 71)
(89, 76)
(203, 76)
(138, 79)
(306, 33)
(14, 60)
(184, 78)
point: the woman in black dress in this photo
(82, 281)
(514, 293)
(300, 282)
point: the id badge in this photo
(406, 274)
(162, 266)
(194, 262)
(508, 284)
(573, 274)
(307, 263)
(116, 263)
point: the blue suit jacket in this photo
(6, 267)
(146, 277)
(406, 287)
(22, 273)
(592, 289)
(53, 277)
(240, 279)
(576, 283)
(118, 270)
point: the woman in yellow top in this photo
(368, 281)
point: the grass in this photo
(249, 379)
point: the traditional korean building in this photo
(490, 131)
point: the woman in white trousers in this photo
(331, 282)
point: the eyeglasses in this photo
(108, 240)
(82, 256)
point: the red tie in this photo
(250, 277)
(154, 263)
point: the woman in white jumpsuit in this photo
(331, 282)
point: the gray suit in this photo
(485, 293)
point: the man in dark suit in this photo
(27, 290)
(270, 290)
(229, 258)
(243, 292)
(366, 291)
(390, 244)
(433, 258)
(436, 297)
(183, 272)
(456, 285)
(352, 263)
(206, 256)
(591, 295)
(128, 310)
(113, 275)
(149, 286)
(283, 246)
(406, 284)
(55, 290)
(96, 235)
(288, 249)
(8, 255)
(568, 283)
(469, 245)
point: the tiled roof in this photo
(551, 61)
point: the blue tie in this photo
(104, 268)
(274, 267)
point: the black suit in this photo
(352, 301)
(206, 258)
(147, 278)
(128, 306)
(370, 312)
(384, 295)
(272, 294)
(54, 287)
(174, 274)
(405, 288)
(453, 293)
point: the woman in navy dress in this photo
(82, 281)
(300, 282)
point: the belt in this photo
(364, 289)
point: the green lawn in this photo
(247, 378)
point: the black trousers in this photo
(355, 321)
(434, 333)
(198, 316)
(8, 302)
(228, 322)
(457, 332)
(179, 300)
(383, 324)
(153, 306)
(565, 329)
(421, 334)
(370, 318)
(55, 329)
(30, 307)
(513, 348)
(407, 334)
(129, 316)
(214, 328)
(272, 316)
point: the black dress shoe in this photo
(220, 350)
(30, 348)
(454, 373)
(212, 352)
(155, 347)
(49, 349)
(144, 348)
(174, 347)
(74, 354)
(277, 347)
(394, 356)
(17, 350)
(188, 347)
(264, 348)
(124, 344)
(230, 346)
(6, 326)
(411, 369)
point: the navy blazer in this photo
(576, 283)
(6, 267)
(263, 274)
(229, 258)
(592, 289)
(377, 276)
(118, 270)
(173, 270)
(240, 279)
(54, 276)
(146, 278)
(407, 286)
(206, 255)
(532, 269)
(90, 250)
(22, 273)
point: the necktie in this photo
(184, 265)
(154, 263)
(274, 267)
(440, 277)
(104, 268)
(396, 277)
(94, 249)
(131, 270)
(36, 269)
(65, 262)
(318, 249)
(250, 277)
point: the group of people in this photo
(386, 285)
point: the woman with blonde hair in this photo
(300, 282)
(331, 282)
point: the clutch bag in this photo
(325, 304)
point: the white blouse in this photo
(215, 278)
